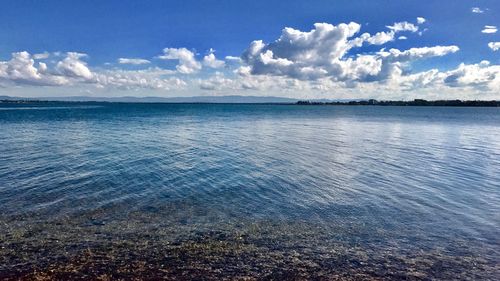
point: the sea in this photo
(248, 191)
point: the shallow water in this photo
(104, 190)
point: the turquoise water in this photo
(295, 191)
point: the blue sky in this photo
(106, 31)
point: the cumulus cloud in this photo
(379, 38)
(477, 10)
(495, 46)
(324, 52)
(302, 61)
(73, 66)
(477, 81)
(481, 74)
(134, 61)
(187, 61)
(328, 59)
(307, 55)
(21, 69)
(489, 29)
(211, 61)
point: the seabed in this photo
(165, 244)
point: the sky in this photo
(299, 49)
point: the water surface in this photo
(262, 191)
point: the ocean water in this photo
(260, 191)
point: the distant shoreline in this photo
(371, 102)
(416, 102)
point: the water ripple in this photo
(432, 169)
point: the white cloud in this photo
(72, 71)
(323, 52)
(479, 81)
(403, 26)
(21, 69)
(495, 46)
(187, 61)
(379, 38)
(42, 67)
(217, 82)
(383, 37)
(383, 75)
(41, 56)
(482, 74)
(477, 10)
(302, 62)
(134, 61)
(308, 55)
(417, 53)
(323, 61)
(489, 29)
(258, 84)
(233, 59)
(72, 66)
(325, 41)
(152, 78)
(211, 61)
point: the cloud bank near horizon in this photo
(330, 61)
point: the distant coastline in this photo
(252, 100)
(416, 102)
(153, 99)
